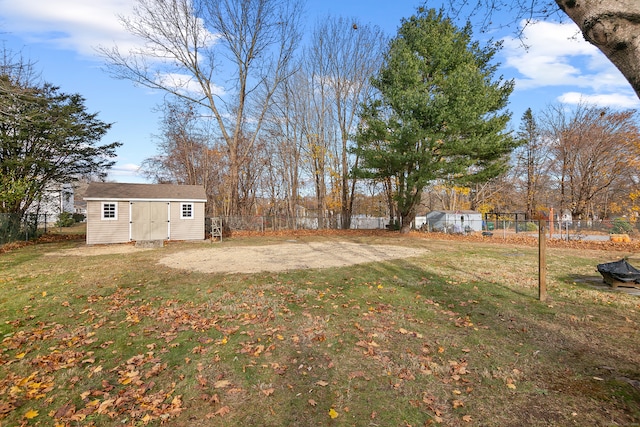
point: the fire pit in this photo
(619, 273)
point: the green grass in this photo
(453, 337)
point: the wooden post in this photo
(542, 262)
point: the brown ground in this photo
(290, 255)
(297, 254)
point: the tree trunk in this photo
(613, 27)
(406, 221)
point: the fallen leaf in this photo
(222, 384)
(223, 411)
(458, 404)
(65, 411)
(333, 414)
(269, 391)
(31, 413)
(104, 406)
(312, 402)
(467, 418)
(356, 374)
(322, 383)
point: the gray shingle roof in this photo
(121, 191)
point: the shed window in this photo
(109, 211)
(186, 210)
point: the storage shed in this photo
(118, 212)
(461, 221)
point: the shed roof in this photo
(125, 191)
(458, 212)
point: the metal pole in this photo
(542, 262)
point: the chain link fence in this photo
(565, 230)
(14, 227)
(262, 223)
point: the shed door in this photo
(149, 221)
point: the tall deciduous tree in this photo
(228, 56)
(594, 149)
(286, 132)
(439, 115)
(343, 56)
(46, 138)
(187, 154)
(531, 160)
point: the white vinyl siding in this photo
(187, 228)
(100, 230)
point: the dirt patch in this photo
(285, 256)
(98, 250)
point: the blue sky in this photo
(61, 37)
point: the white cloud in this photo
(557, 55)
(77, 25)
(125, 168)
(126, 172)
(186, 84)
(614, 100)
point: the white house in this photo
(55, 200)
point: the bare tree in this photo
(286, 133)
(592, 148)
(494, 195)
(343, 56)
(187, 154)
(225, 55)
(531, 161)
(17, 77)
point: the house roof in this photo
(459, 212)
(165, 192)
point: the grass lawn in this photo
(453, 337)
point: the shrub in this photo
(65, 219)
(621, 226)
(527, 226)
